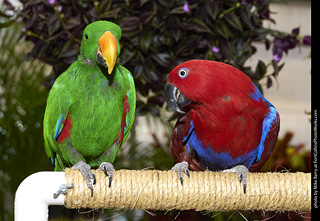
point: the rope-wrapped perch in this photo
(162, 190)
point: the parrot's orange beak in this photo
(108, 50)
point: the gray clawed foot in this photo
(242, 172)
(85, 170)
(180, 168)
(108, 170)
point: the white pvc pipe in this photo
(35, 194)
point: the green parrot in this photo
(91, 106)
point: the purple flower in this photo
(215, 49)
(186, 7)
(307, 40)
(283, 45)
(51, 2)
(276, 57)
(59, 8)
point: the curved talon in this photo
(187, 172)
(86, 173)
(110, 180)
(91, 188)
(181, 179)
(242, 172)
(107, 168)
(94, 179)
(105, 171)
(180, 168)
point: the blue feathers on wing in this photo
(59, 126)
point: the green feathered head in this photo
(100, 43)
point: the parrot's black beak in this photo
(175, 98)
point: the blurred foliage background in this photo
(41, 39)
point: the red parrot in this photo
(224, 123)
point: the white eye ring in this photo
(183, 72)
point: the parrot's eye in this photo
(183, 72)
(86, 36)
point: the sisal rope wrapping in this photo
(162, 190)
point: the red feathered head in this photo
(204, 82)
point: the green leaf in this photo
(269, 82)
(72, 22)
(165, 3)
(177, 10)
(32, 2)
(102, 6)
(142, 2)
(146, 40)
(198, 26)
(261, 70)
(6, 24)
(69, 51)
(177, 35)
(141, 109)
(53, 24)
(245, 16)
(222, 29)
(276, 68)
(130, 26)
(233, 20)
(226, 48)
(4, 15)
(278, 1)
(213, 9)
(163, 59)
(110, 13)
(146, 17)
(243, 57)
(138, 70)
(260, 33)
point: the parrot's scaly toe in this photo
(86, 173)
(242, 172)
(180, 168)
(108, 170)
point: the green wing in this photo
(56, 118)
(129, 103)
